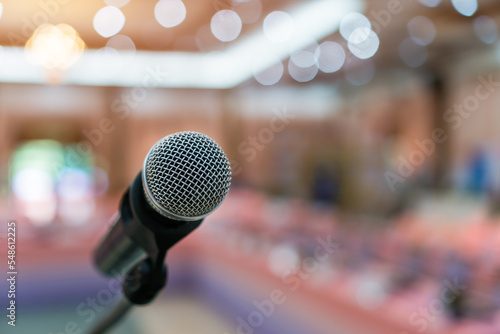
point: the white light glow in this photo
(54, 47)
(213, 63)
(430, 3)
(312, 20)
(1, 9)
(330, 57)
(465, 7)
(363, 43)
(40, 213)
(486, 29)
(309, 44)
(351, 22)
(302, 74)
(74, 184)
(109, 21)
(303, 58)
(32, 185)
(279, 27)
(272, 74)
(115, 59)
(226, 25)
(370, 295)
(170, 13)
(422, 30)
(121, 43)
(282, 259)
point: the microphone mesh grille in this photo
(187, 174)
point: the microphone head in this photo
(186, 176)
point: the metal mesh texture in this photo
(187, 174)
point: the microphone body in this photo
(138, 231)
(185, 177)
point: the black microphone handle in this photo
(138, 232)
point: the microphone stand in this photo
(121, 309)
(140, 287)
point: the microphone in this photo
(185, 177)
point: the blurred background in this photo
(363, 138)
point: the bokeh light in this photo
(430, 3)
(278, 27)
(33, 169)
(282, 259)
(49, 184)
(170, 13)
(465, 7)
(303, 58)
(330, 57)
(422, 30)
(74, 184)
(370, 295)
(412, 54)
(486, 29)
(121, 43)
(75, 189)
(30, 184)
(302, 66)
(272, 74)
(226, 25)
(109, 21)
(351, 22)
(54, 47)
(363, 43)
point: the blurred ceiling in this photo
(20, 17)
(455, 32)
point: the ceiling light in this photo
(54, 47)
(170, 13)
(226, 25)
(108, 21)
